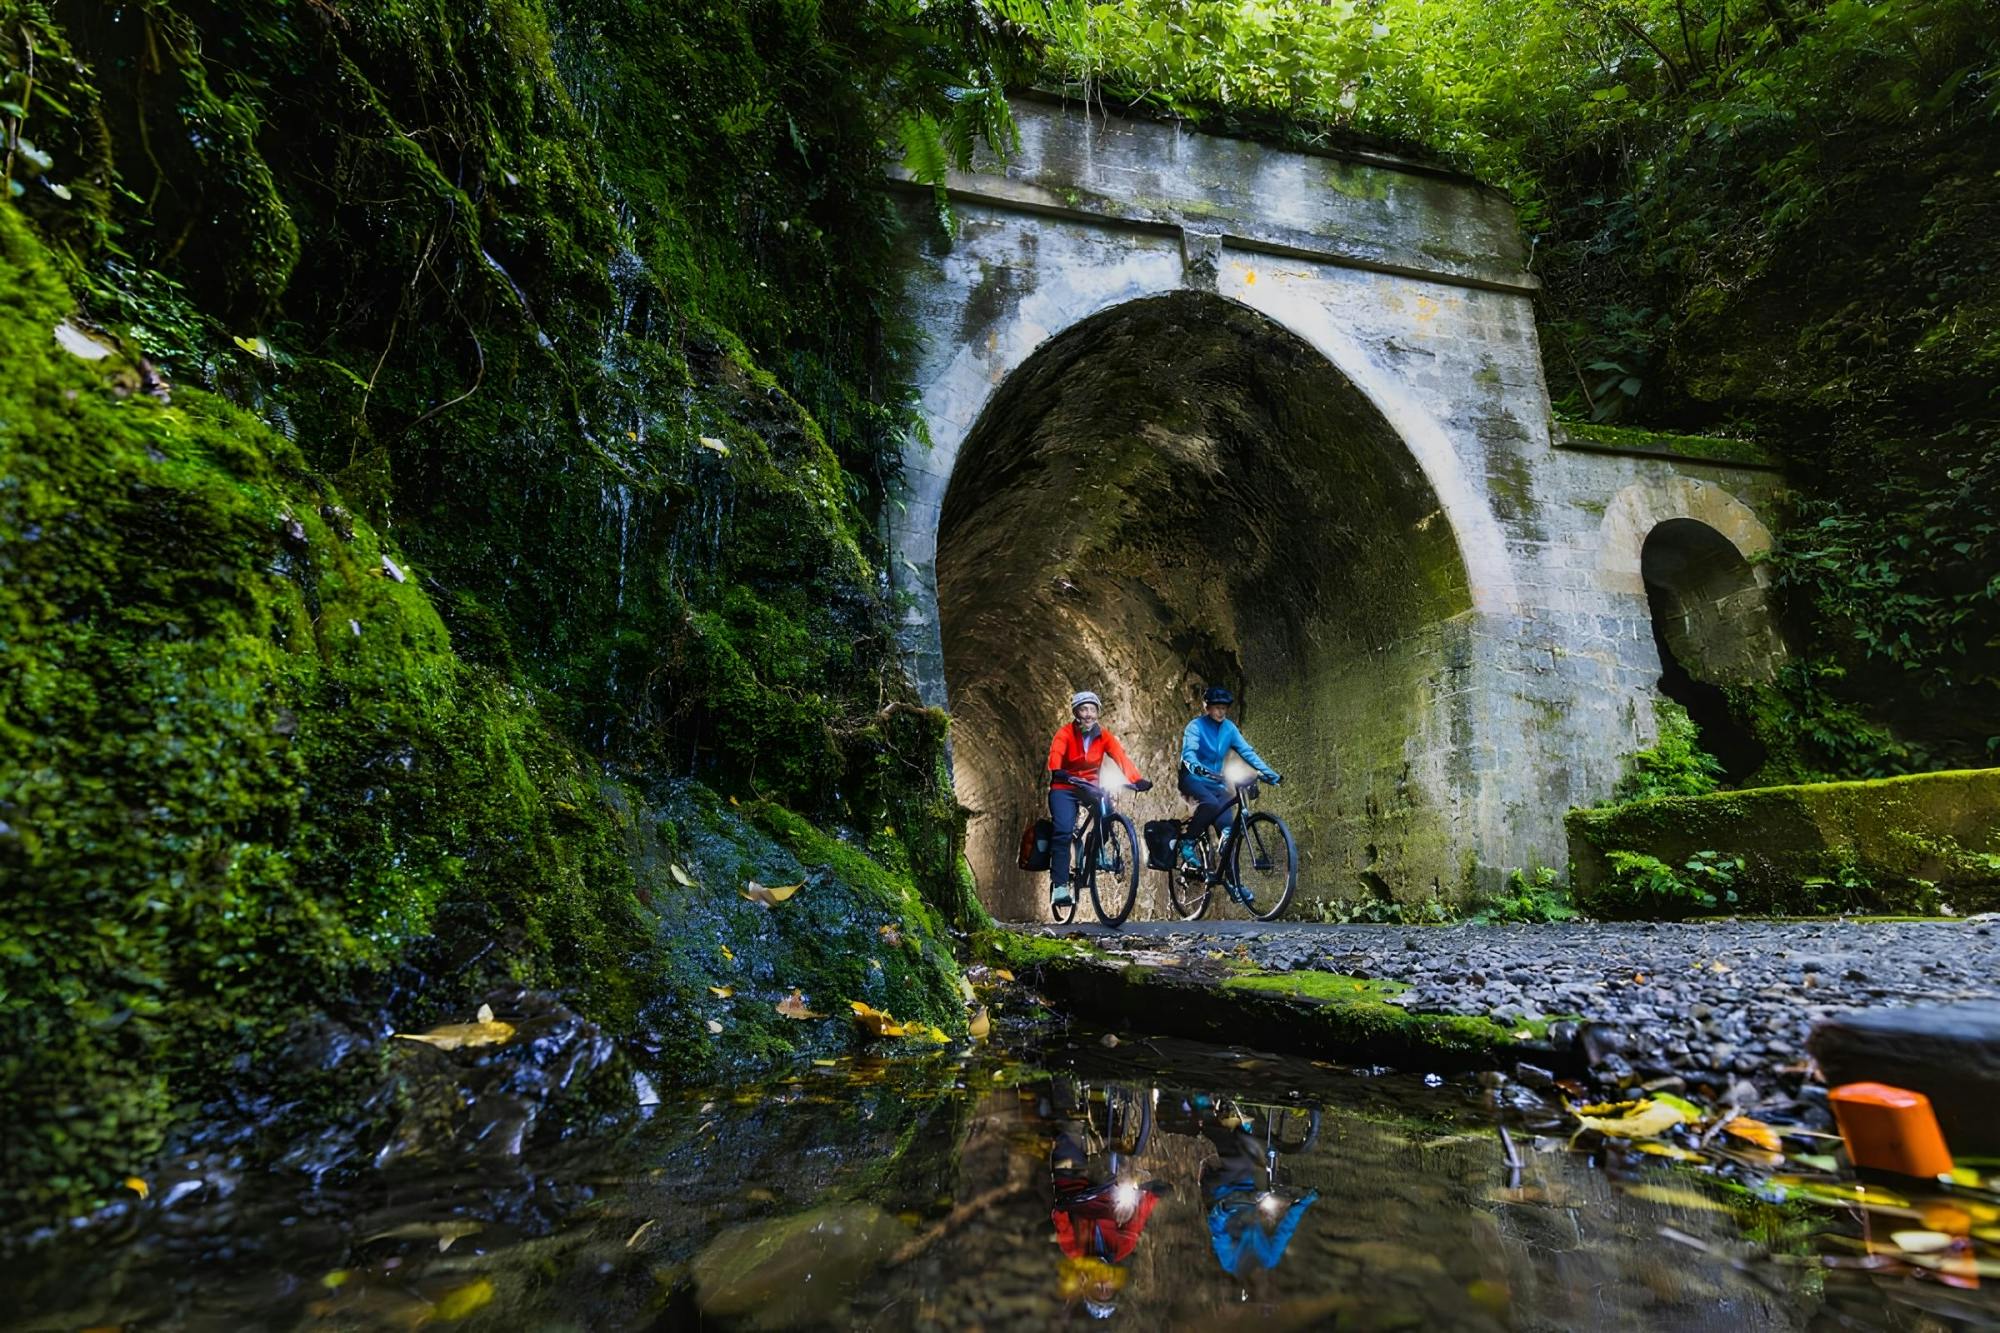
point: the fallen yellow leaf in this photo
(1645, 1120)
(1669, 1150)
(875, 964)
(1753, 1131)
(138, 1187)
(1676, 1197)
(462, 1301)
(1005, 975)
(981, 1024)
(880, 1023)
(722, 992)
(465, 1036)
(1920, 1242)
(826, 1064)
(727, 955)
(681, 876)
(768, 894)
(794, 1006)
(709, 442)
(892, 933)
(714, 1026)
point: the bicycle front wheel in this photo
(1114, 880)
(1265, 861)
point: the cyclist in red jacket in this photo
(1075, 756)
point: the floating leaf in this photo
(1676, 1197)
(714, 1026)
(1670, 1151)
(444, 1233)
(462, 1301)
(981, 1024)
(770, 894)
(714, 445)
(1636, 1120)
(461, 1036)
(1753, 1131)
(722, 992)
(78, 343)
(794, 1006)
(1920, 1242)
(682, 878)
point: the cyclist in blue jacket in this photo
(1205, 745)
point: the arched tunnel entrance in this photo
(1177, 492)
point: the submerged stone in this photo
(783, 1273)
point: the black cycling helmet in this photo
(1217, 695)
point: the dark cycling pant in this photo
(1210, 798)
(1063, 802)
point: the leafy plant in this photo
(1530, 897)
(1674, 765)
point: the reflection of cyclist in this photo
(1098, 1222)
(1249, 1219)
(1205, 746)
(1075, 756)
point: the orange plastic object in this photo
(1890, 1129)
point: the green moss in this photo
(1355, 1010)
(1885, 845)
(1009, 948)
(1693, 448)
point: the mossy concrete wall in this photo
(1474, 657)
(1916, 843)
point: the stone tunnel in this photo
(1205, 411)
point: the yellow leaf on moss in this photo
(714, 1026)
(714, 445)
(722, 992)
(881, 1023)
(464, 1036)
(681, 876)
(728, 956)
(794, 1006)
(892, 934)
(770, 894)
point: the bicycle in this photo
(1107, 848)
(1273, 863)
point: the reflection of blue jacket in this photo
(1206, 743)
(1269, 1246)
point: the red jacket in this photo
(1087, 1225)
(1073, 756)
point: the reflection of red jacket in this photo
(1087, 1225)
(1070, 753)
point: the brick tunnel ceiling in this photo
(1175, 492)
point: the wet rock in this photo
(778, 1273)
(1950, 1053)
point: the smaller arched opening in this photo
(1713, 630)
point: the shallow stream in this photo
(1154, 1183)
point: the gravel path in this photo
(1713, 1003)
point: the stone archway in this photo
(1178, 491)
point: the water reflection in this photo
(1164, 1185)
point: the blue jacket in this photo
(1206, 743)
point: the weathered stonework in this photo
(1201, 409)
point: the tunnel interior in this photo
(1713, 629)
(1179, 492)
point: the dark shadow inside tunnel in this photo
(1712, 629)
(1180, 492)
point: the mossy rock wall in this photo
(1908, 844)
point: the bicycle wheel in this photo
(1187, 886)
(1114, 870)
(1271, 869)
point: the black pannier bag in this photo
(1161, 834)
(1035, 839)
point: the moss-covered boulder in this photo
(1911, 844)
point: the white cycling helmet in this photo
(1082, 697)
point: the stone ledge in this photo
(1889, 845)
(1590, 437)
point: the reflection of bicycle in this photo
(1262, 863)
(1106, 854)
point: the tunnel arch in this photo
(1179, 490)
